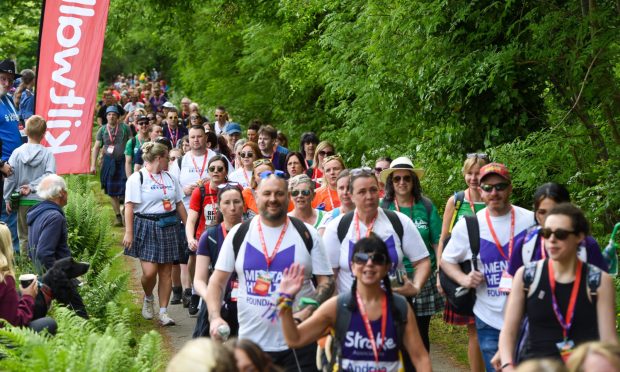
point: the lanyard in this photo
(357, 225)
(570, 312)
(329, 193)
(202, 170)
(213, 199)
(174, 137)
(371, 336)
(224, 231)
(268, 258)
(245, 175)
(512, 234)
(543, 251)
(398, 209)
(161, 177)
(471, 202)
(110, 134)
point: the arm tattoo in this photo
(323, 291)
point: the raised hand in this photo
(292, 279)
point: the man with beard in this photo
(10, 138)
(272, 242)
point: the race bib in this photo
(110, 149)
(505, 283)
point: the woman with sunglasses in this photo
(461, 204)
(301, 188)
(230, 205)
(247, 155)
(323, 149)
(529, 248)
(133, 145)
(326, 197)
(371, 338)
(403, 193)
(561, 309)
(295, 164)
(202, 213)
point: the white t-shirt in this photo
(340, 254)
(489, 306)
(237, 176)
(250, 262)
(148, 197)
(191, 171)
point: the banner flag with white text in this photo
(70, 48)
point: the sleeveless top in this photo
(357, 354)
(545, 330)
(465, 209)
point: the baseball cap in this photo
(233, 128)
(495, 168)
(141, 118)
(113, 109)
(168, 104)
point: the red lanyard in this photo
(512, 234)
(202, 170)
(160, 184)
(110, 134)
(224, 231)
(329, 193)
(543, 251)
(357, 225)
(174, 137)
(398, 209)
(471, 202)
(268, 258)
(245, 175)
(371, 336)
(570, 312)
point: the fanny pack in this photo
(163, 220)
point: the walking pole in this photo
(610, 252)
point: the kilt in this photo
(450, 317)
(112, 176)
(428, 301)
(152, 243)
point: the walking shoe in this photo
(147, 309)
(193, 305)
(177, 293)
(187, 294)
(165, 320)
(119, 221)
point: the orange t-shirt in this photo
(327, 198)
(250, 202)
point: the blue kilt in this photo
(112, 176)
(153, 243)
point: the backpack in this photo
(343, 320)
(345, 223)
(459, 197)
(463, 299)
(299, 225)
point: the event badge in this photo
(167, 203)
(505, 283)
(262, 285)
(234, 291)
(110, 149)
(565, 348)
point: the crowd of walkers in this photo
(311, 264)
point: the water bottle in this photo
(224, 331)
(610, 252)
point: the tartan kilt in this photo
(428, 301)
(152, 243)
(450, 317)
(112, 176)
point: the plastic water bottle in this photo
(610, 252)
(224, 331)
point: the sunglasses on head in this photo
(295, 193)
(376, 258)
(481, 155)
(560, 234)
(277, 173)
(326, 153)
(331, 157)
(361, 171)
(397, 179)
(498, 187)
(248, 154)
(216, 168)
(259, 162)
(230, 186)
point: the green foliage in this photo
(19, 31)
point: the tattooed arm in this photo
(324, 290)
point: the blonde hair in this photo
(36, 127)
(320, 147)
(203, 355)
(6, 253)
(151, 150)
(606, 350)
(326, 160)
(470, 162)
(300, 179)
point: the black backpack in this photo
(463, 299)
(300, 226)
(343, 320)
(345, 223)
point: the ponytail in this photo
(352, 305)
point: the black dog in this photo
(59, 283)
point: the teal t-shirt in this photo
(133, 150)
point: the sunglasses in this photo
(245, 155)
(151, 118)
(216, 168)
(331, 157)
(229, 186)
(259, 162)
(498, 187)
(379, 170)
(326, 153)
(397, 179)
(140, 123)
(481, 155)
(365, 171)
(560, 234)
(277, 173)
(295, 193)
(376, 258)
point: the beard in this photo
(281, 213)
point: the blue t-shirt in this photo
(9, 127)
(26, 105)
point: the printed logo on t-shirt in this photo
(255, 264)
(392, 252)
(420, 224)
(494, 266)
(209, 213)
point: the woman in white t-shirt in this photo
(153, 205)
(243, 174)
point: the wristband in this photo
(506, 365)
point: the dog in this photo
(59, 284)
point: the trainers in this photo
(147, 309)
(187, 294)
(177, 293)
(193, 305)
(119, 221)
(166, 320)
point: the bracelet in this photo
(285, 301)
(506, 365)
